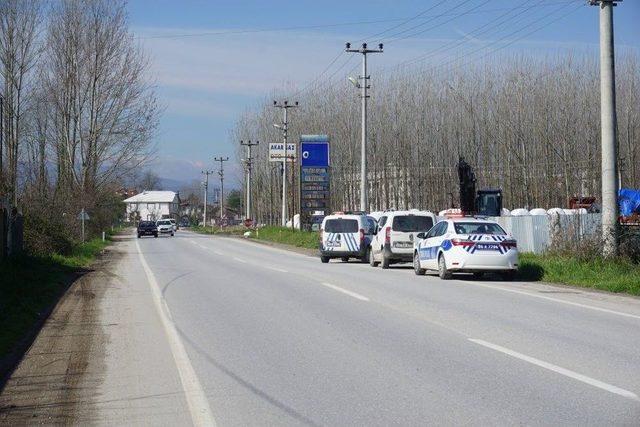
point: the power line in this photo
(310, 27)
(433, 19)
(511, 42)
(492, 24)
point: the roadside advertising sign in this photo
(276, 151)
(314, 178)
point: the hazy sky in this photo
(211, 60)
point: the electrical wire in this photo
(511, 42)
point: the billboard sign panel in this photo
(314, 178)
(276, 151)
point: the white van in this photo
(393, 241)
(346, 235)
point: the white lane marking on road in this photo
(344, 291)
(562, 371)
(281, 270)
(575, 304)
(240, 260)
(217, 252)
(201, 413)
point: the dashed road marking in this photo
(557, 369)
(575, 304)
(346, 292)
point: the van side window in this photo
(381, 221)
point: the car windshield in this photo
(410, 223)
(146, 223)
(478, 228)
(164, 222)
(341, 226)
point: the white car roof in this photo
(410, 212)
(344, 216)
(470, 219)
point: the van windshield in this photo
(341, 226)
(410, 223)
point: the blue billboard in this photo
(314, 179)
(314, 150)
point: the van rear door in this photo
(342, 235)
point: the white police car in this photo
(397, 230)
(346, 235)
(468, 245)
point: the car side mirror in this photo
(421, 235)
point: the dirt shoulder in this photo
(44, 388)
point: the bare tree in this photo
(19, 25)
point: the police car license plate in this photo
(332, 244)
(487, 246)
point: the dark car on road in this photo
(147, 228)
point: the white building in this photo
(152, 206)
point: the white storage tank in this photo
(538, 211)
(520, 212)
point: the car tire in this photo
(324, 259)
(345, 259)
(442, 268)
(372, 258)
(155, 235)
(416, 265)
(365, 257)
(138, 236)
(171, 234)
(508, 276)
(385, 262)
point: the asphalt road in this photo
(206, 330)
(277, 338)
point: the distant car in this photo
(165, 227)
(344, 236)
(469, 245)
(184, 223)
(394, 237)
(147, 228)
(174, 223)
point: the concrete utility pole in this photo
(284, 127)
(608, 127)
(1, 135)
(206, 190)
(363, 85)
(249, 144)
(221, 174)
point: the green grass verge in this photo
(30, 285)
(297, 238)
(618, 276)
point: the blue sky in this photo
(206, 80)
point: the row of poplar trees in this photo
(527, 125)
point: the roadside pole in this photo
(284, 127)
(221, 174)
(363, 84)
(608, 128)
(249, 144)
(206, 190)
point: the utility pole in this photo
(1, 140)
(221, 174)
(363, 84)
(284, 127)
(249, 144)
(206, 190)
(608, 127)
